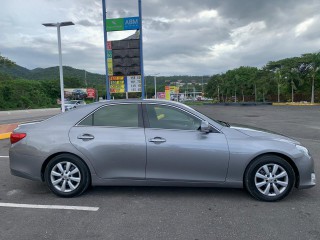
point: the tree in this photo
(51, 88)
(310, 65)
(261, 83)
(73, 82)
(247, 80)
(5, 61)
(243, 78)
(214, 86)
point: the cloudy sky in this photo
(181, 37)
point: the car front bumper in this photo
(307, 176)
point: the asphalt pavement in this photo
(173, 213)
(9, 120)
(16, 116)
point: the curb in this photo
(239, 103)
(295, 104)
(6, 130)
(5, 135)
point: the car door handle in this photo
(157, 140)
(86, 136)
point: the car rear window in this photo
(122, 115)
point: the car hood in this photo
(262, 133)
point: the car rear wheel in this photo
(269, 178)
(67, 176)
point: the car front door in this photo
(113, 139)
(178, 151)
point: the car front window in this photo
(171, 118)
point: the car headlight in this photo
(303, 150)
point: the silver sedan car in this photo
(156, 143)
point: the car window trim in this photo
(140, 116)
(146, 117)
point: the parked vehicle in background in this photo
(73, 104)
(201, 98)
(78, 94)
(156, 143)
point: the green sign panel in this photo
(109, 52)
(115, 24)
(120, 24)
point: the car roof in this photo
(140, 101)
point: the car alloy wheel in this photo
(67, 176)
(269, 178)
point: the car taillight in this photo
(16, 137)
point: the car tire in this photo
(67, 176)
(269, 178)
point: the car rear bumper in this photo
(25, 166)
(24, 175)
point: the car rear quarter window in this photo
(122, 115)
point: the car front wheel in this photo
(269, 178)
(67, 176)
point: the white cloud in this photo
(207, 14)
(180, 36)
(303, 27)
(239, 37)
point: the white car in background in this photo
(68, 105)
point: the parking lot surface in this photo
(172, 213)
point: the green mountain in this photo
(51, 73)
(14, 71)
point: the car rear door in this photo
(178, 151)
(113, 139)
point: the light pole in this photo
(194, 90)
(187, 90)
(58, 25)
(202, 87)
(292, 91)
(155, 85)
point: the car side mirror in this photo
(205, 127)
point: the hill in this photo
(51, 73)
(14, 71)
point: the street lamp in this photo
(155, 85)
(58, 25)
(292, 96)
(202, 86)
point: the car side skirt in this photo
(164, 183)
